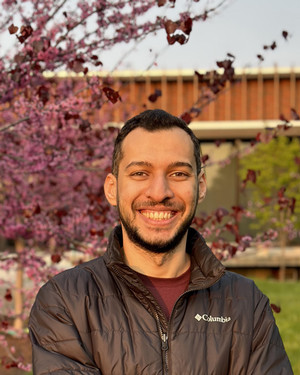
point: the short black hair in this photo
(153, 120)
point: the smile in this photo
(158, 215)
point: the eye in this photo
(180, 175)
(138, 174)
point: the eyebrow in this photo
(181, 164)
(138, 164)
(147, 164)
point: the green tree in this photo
(270, 176)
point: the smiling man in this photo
(156, 197)
(158, 301)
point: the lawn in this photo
(286, 295)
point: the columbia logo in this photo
(209, 318)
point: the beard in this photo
(156, 246)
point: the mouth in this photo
(158, 215)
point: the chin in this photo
(156, 245)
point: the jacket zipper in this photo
(164, 345)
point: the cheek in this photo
(191, 199)
(190, 193)
(124, 190)
(130, 191)
(126, 196)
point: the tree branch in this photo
(14, 124)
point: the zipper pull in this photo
(164, 342)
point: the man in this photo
(158, 301)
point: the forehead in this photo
(170, 145)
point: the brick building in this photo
(257, 95)
(254, 102)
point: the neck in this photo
(166, 265)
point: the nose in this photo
(159, 189)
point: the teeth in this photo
(158, 215)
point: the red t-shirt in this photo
(167, 291)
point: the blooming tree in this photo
(53, 154)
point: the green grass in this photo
(287, 296)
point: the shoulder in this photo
(237, 279)
(245, 303)
(75, 282)
(240, 287)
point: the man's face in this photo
(157, 188)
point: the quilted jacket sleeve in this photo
(268, 355)
(57, 347)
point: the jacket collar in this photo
(206, 269)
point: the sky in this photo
(242, 29)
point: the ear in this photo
(202, 186)
(110, 189)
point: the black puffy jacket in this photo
(98, 318)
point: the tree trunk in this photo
(18, 293)
(282, 241)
